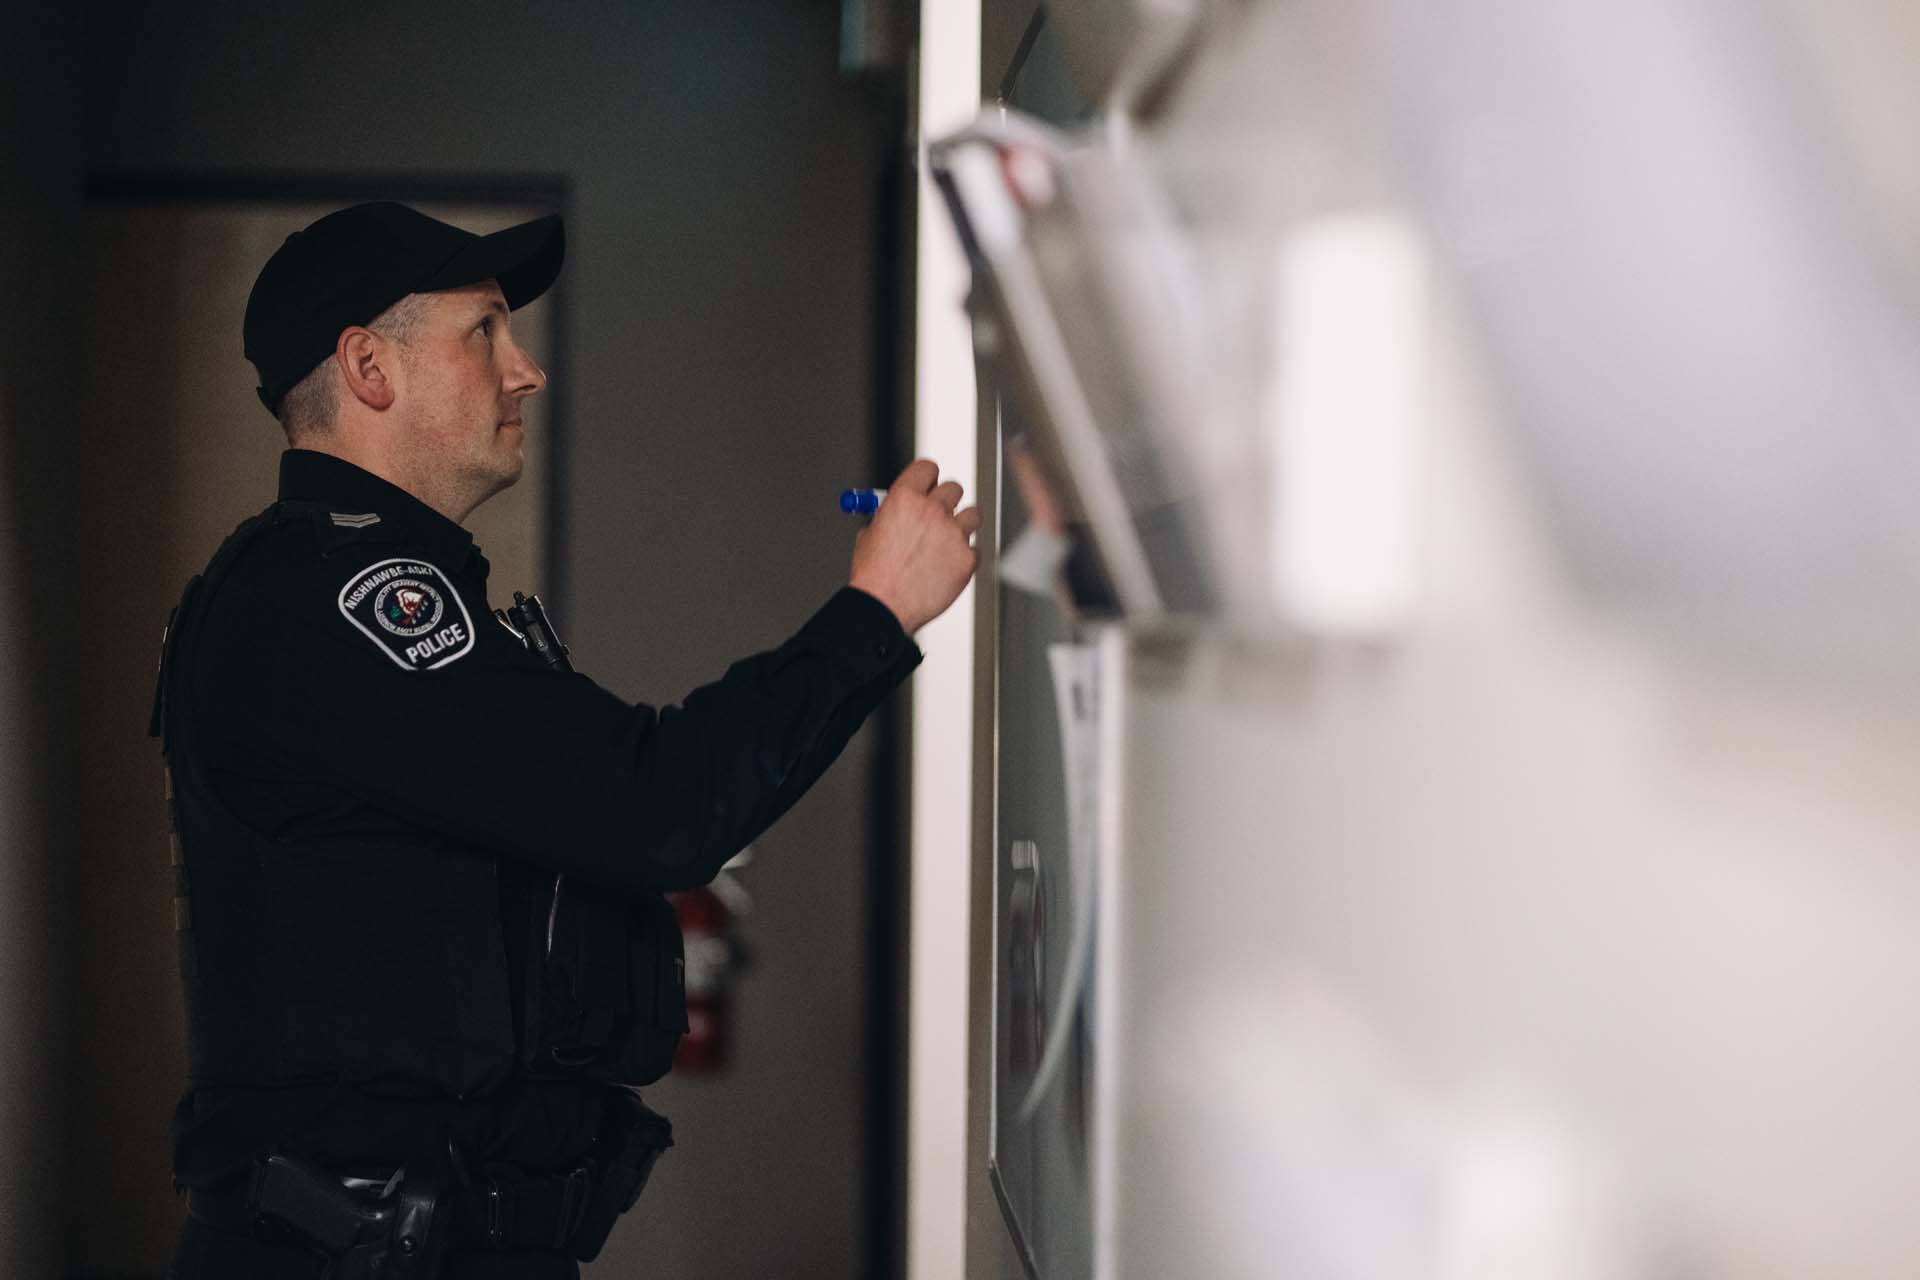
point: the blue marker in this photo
(862, 502)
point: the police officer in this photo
(419, 864)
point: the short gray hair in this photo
(309, 406)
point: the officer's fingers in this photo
(947, 494)
(969, 521)
(919, 475)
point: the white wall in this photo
(942, 848)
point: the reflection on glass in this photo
(1039, 1138)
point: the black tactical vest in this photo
(416, 995)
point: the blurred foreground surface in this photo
(1516, 876)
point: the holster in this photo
(633, 1140)
(398, 1235)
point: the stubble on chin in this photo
(513, 449)
(508, 468)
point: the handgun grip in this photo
(311, 1201)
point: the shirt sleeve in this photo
(498, 751)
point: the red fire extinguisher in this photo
(708, 919)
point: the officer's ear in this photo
(367, 364)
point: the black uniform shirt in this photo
(316, 720)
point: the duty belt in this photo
(288, 1199)
(399, 1227)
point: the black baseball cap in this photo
(353, 264)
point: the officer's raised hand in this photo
(917, 555)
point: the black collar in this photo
(308, 476)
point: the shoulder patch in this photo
(342, 520)
(409, 609)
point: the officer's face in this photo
(466, 377)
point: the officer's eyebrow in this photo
(497, 307)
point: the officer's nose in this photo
(526, 378)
